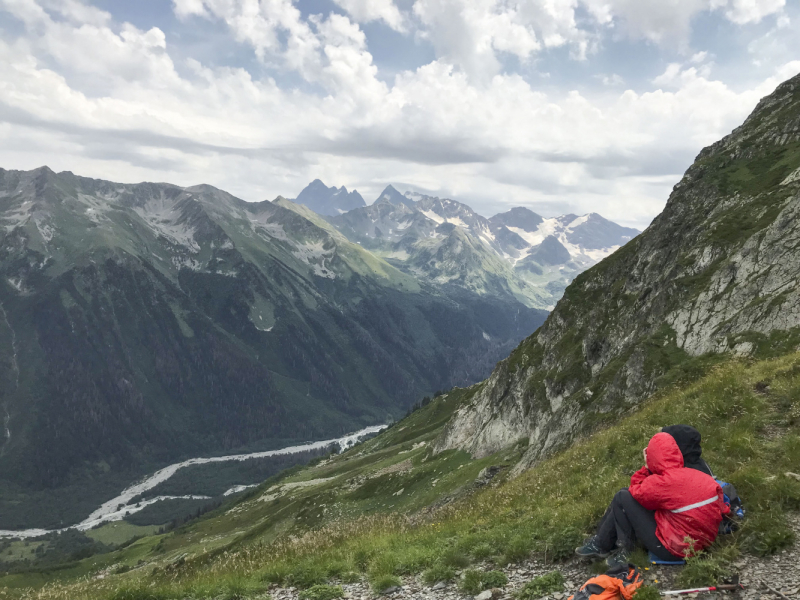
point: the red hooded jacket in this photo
(688, 503)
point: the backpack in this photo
(618, 583)
(732, 520)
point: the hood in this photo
(688, 440)
(663, 454)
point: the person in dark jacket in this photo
(688, 440)
(665, 505)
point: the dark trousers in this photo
(627, 524)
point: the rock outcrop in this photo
(715, 272)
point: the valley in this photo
(152, 323)
(138, 496)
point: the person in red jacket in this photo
(668, 509)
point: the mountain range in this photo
(149, 323)
(142, 324)
(517, 253)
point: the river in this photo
(117, 508)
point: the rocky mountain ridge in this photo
(714, 273)
(326, 200)
(517, 253)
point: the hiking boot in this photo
(591, 550)
(620, 558)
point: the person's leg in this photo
(603, 542)
(637, 525)
(606, 536)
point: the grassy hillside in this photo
(390, 507)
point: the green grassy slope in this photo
(367, 513)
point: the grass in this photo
(471, 582)
(541, 586)
(384, 582)
(647, 592)
(119, 532)
(706, 568)
(437, 573)
(474, 581)
(322, 592)
(743, 409)
(494, 579)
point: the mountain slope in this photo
(147, 323)
(716, 272)
(391, 507)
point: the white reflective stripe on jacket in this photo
(695, 505)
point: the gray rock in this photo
(694, 282)
(391, 590)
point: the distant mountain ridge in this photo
(325, 200)
(517, 253)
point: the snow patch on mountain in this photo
(45, 230)
(165, 218)
(433, 216)
(314, 255)
(536, 257)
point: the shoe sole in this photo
(600, 555)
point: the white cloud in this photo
(752, 11)
(328, 51)
(364, 11)
(612, 80)
(189, 8)
(106, 100)
(472, 34)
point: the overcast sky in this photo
(558, 105)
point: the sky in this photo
(563, 106)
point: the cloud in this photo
(364, 11)
(752, 11)
(475, 34)
(107, 99)
(471, 33)
(189, 8)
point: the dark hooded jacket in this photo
(688, 440)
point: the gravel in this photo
(780, 572)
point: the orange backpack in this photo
(616, 584)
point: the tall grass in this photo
(750, 437)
